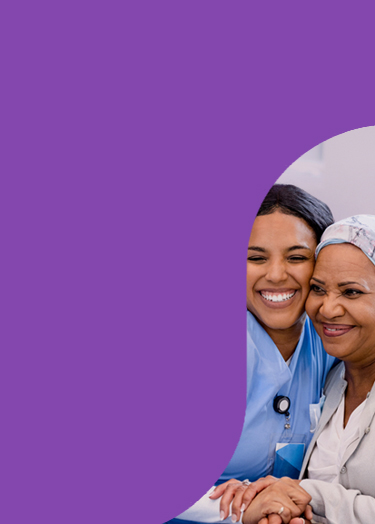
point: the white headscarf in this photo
(358, 230)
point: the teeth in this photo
(278, 298)
(331, 329)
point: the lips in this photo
(277, 296)
(336, 330)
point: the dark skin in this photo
(342, 306)
(280, 260)
(265, 495)
(282, 493)
(358, 387)
(286, 340)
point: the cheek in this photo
(304, 278)
(249, 286)
(312, 305)
(367, 313)
(251, 279)
(249, 293)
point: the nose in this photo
(331, 307)
(276, 271)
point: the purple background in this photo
(137, 141)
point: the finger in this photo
(278, 509)
(219, 490)
(291, 511)
(301, 505)
(274, 519)
(297, 494)
(301, 499)
(227, 498)
(308, 512)
(264, 521)
(237, 503)
(286, 515)
(255, 488)
(284, 508)
(300, 520)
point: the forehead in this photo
(279, 229)
(343, 261)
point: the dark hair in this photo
(292, 200)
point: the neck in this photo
(360, 378)
(286, 340)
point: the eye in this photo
(352, 293)
(316, 289)
(257, 259)
(297, 258)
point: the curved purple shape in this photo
(137, 143)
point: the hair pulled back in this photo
(292, 200)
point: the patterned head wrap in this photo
(358, 230)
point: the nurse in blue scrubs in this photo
(286, 362)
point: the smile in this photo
(336, 330)
(277, 297)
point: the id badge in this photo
(288, 460)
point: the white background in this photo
(340, 171)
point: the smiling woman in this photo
(279, 266)
(342, 302)
(285, 357)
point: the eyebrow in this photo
(256, 248)
(347, 283)
(292, 248)
(317, 280)
(298, 247)
(341, 284)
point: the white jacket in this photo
(352, 501)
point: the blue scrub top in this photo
(268, 375)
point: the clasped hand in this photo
(267, 501)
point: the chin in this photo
(278, 324)
(283, 320)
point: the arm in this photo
(339, 504)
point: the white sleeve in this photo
(206, 510)
(338, 504)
